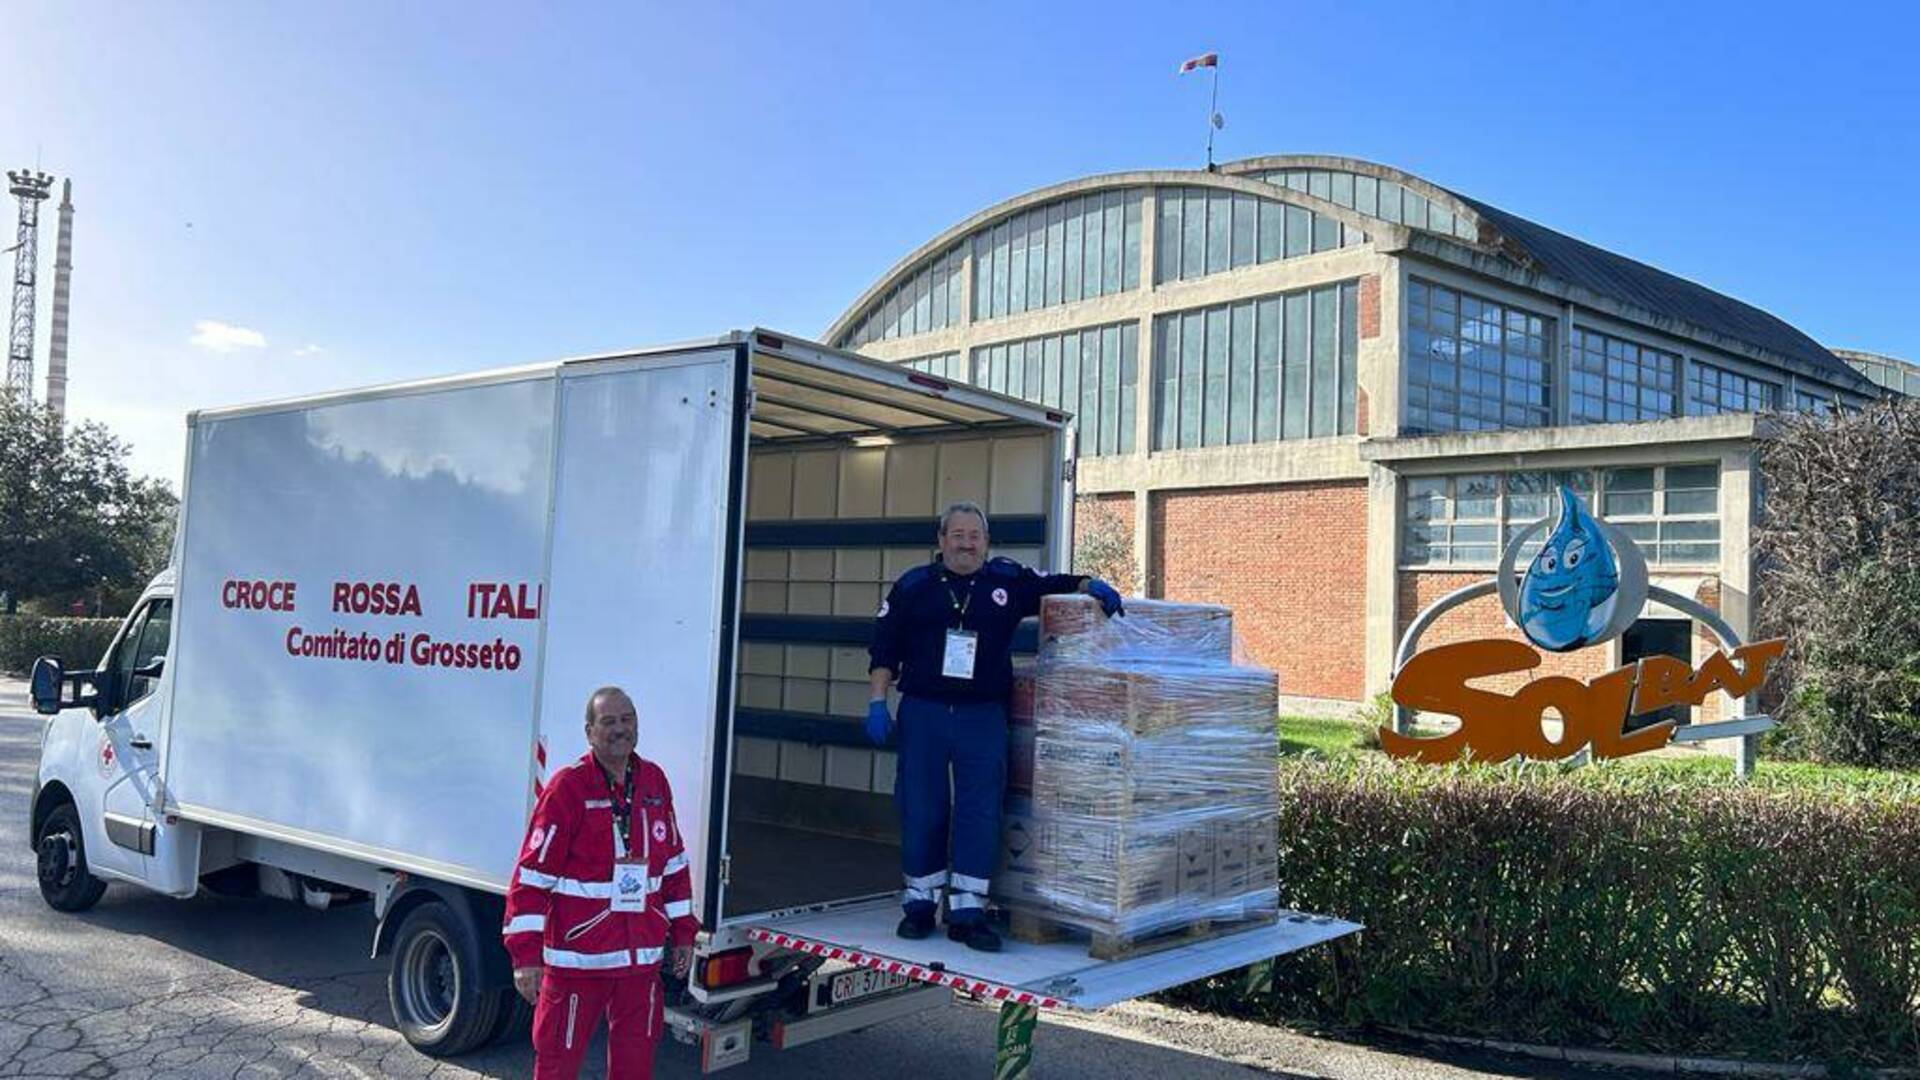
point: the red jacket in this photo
(559, 907)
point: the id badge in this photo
(629, 885)
(958, 662)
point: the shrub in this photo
(1641, 908)
(1838, 554)
(79, 643)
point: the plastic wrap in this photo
(1142, 793)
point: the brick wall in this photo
(1111, 515)
(1704, 645)
(1370, 306)
(1290, 559)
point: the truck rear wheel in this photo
(65, 882)
(434, 984)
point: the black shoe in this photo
(974, 935)
(915, 925)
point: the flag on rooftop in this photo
(1203, 60)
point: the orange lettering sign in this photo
(1496, 726)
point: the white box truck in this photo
(386, 608)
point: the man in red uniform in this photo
(600, 895)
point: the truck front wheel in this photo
(65, 883)
(435, 987)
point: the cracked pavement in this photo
(147, 986)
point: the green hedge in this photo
(79, 643)
(1636, 908)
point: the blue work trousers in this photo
(951, 776)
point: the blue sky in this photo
(277, 199)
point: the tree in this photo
(74, 520)
(1838, 555)
(1103, 543)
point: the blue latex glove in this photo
(878, 722)
(1108, 596)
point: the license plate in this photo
(861, 982)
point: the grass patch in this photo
(1326, 735)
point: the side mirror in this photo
(45, 685)
(53, 688)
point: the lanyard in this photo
(620, 803)
(960, 606)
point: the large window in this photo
(1204, 231)
(1712, 389)
(1473, 364)
(929, 299)
(1276, 367)
(1383, 199)
(1671, 512)
(1813, 403)
(1090, 373)
(1617, 380)
(948, 365)
(1892, 374)
(1066, 251)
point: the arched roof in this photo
(998, 212)
(1529, 245)
(1460, 208)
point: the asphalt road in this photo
(144, 985)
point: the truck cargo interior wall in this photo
(829, 526)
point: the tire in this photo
(61, 863)
(434, 986)
(516, 1021)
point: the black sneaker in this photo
(915, 925)
(974, 935)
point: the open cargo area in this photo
(845, 481)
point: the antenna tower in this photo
(31, 187)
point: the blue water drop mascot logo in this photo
(1568, 597)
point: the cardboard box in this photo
(1023, 867)
(1196, 863)
(1263, 867)
(1107, 870)
(1075, 627)
(1020, 703)
(1020, 749)
(1229, 857)
(1150, 701)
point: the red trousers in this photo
(570, 1008)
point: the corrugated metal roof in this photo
(1579, 263)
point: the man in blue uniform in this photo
(946, 631)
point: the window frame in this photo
(1599, 487)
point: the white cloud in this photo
(216, 336)
(308, 350)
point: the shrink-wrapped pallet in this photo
(1142, 783)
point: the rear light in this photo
(728, 968)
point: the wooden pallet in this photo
(1039, 929)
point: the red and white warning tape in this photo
(911, 971)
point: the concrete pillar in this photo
(1738, 483)
(1146, 358)
(1383, 576)
(1143, 446)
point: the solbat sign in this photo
(1587, 584)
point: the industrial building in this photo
(1901, 376)
(1325, 391)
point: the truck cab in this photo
(98, 805)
